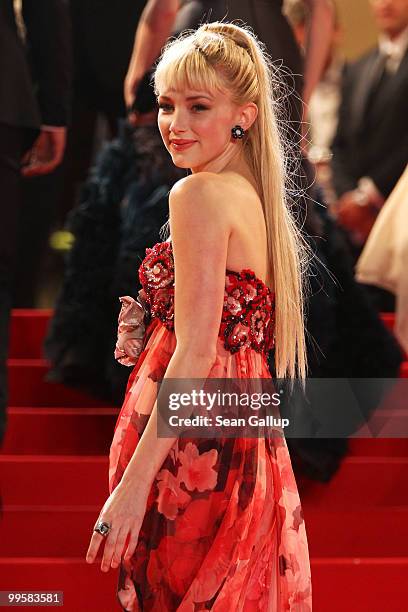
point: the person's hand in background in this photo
(356, 216)
(131, 84)
(47, 152)
(154, 28)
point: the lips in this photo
(181, 141)
(181, 144)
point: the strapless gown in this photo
(223, 528)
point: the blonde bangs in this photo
(182, 67)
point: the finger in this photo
(110, 545)
(120, 543)
(133, 540)
(93, 548)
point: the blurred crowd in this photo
(82, 166)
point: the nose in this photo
(178, 123)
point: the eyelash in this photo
(199, 107)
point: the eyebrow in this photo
(190, 97)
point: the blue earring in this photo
(238, 132)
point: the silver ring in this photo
(103, 528)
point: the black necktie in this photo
(378, 81)
(379, 77)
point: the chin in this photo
(181, 163)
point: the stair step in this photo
(360, 584)
(361, 482)
(379, 447)
(59, 431)
(357, 533)
(89, 431)
(339, 584)
(27, 387)
(84, 586)
(28, 329)
(53, 480)
(333, 533)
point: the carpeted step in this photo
(340, 533)
(378, 447)
(89, 431)
(59, 431)
(361, 482)
(339, 585)
(28, 328)
(360, 584)
(27, 387)
(85, 586)
(53, 479)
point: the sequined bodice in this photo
(248, 313)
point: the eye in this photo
(199, 107)
(165, 107)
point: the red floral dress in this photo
(223, 528)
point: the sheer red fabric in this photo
(223, 527)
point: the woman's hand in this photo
(124, 511)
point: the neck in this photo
(231, 157)
(394, 34)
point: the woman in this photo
(382, 262)
(216, 522)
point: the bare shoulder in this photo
(202, 194)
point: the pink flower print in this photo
(170, 496)
(131, 331)
(196, 470)
(175, 563)
(197, 521)
(233, 305)
(258, 325)
(157, 269)
(250, 292)
(240, 335)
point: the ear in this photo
(247, 115)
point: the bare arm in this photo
(154, 28)
(200, 234)
(320, 29)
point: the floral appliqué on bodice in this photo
(248, 313)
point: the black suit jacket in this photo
(35, 76)
(372, 135)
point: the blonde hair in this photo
(228, 56)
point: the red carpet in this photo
(53, 478)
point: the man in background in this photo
(370, 149)
(34, 99)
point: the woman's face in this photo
(196, 126)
